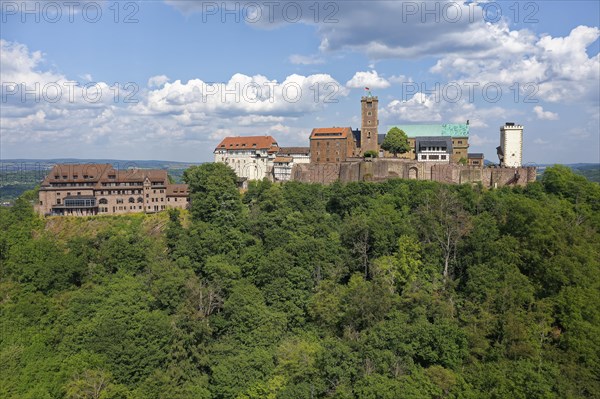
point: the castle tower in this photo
(369, 125)
(510, 151)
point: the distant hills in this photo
(35, 164)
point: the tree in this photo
(396, 142)
(213, 193)
(444, 223)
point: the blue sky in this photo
(169, 79)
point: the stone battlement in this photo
(391, 168)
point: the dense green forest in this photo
(402, 289)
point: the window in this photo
(103, 201)
(369, 105)
(80, 202)
(140, 199)
(443, 157)
(58, 201)
(131, 200)
(119, 201)
(369, 113)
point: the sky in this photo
(169, 79)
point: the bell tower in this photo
(369, 124)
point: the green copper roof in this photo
(447, 129)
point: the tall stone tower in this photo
(369, 125)
(510, 151)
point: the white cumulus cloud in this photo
(370, 79)
(541, 114)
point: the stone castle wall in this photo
(383, 169)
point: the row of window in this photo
(117, 184)
(433, 157)
(72, 184)
(337, 143)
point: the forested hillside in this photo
(402, 289)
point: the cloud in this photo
(470, 42)
(541, 114)
(540, 141)
(157, 81)
(400, 79)
(243, 94)
(553, 69)
(367, 79)
(380, 29)
(279, 128)
(477, 140)
(168, 114)
(419, 108)
(306, 59)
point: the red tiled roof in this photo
(76, 173)
(283, 159)
(294, 150)
(177, 190)
(248, 142)
(98, 173)
(330, 133)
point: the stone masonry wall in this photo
(386, 168)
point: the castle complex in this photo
(436, 152)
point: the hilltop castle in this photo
(437, 152)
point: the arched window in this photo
(131, 200)
(140, 199)
(103, 201)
